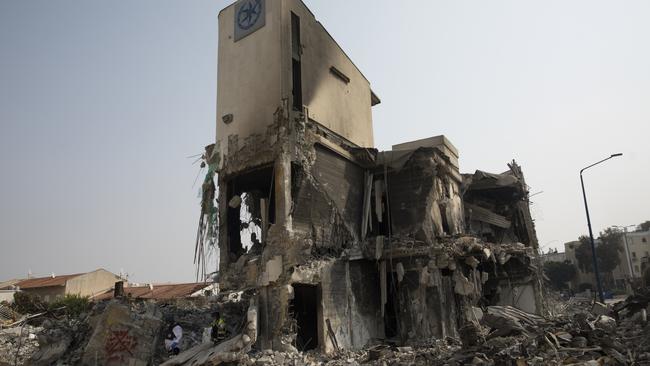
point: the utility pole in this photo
(628, 287)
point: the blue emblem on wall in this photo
(249, 17)
(249, 13)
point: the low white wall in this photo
(7, 295)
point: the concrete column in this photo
(224, 256)
(282, 188)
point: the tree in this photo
(608, 247)
(559, 273)
(583, 255)
(645, 226)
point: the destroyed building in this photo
(343, 244)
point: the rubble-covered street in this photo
(120, 332)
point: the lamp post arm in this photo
(594, 164)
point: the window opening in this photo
(250, 211)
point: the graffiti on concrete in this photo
(119, 344)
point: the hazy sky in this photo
(101, 103)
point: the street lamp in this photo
(591, 234)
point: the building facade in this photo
(635, 260)
(340, 243)
(553, 256)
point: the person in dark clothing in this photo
(218, 329)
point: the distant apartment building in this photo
(638, 247)
(553, 256)
(55, 287)
(638, 244)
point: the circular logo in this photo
(249, 13)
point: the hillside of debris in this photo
(126, 331)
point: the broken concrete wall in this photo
(245, 156)
(514, 279)
(336, 304)
(437, 285)
(348, 293)
(122, 337)
(367, 322)
(342, 182)
(497, 206)
(273, 317)
(520, 296)
(427, 303)
(327, 201)
(423, 195)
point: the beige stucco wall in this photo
(342, 108)
(48, 294)
(254, 76)
(249, 85)
(91, 283)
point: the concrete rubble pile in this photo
(17, 344)
(112, 332)
(584, 334)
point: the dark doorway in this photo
(304, 307)
(391, 325)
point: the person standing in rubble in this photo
(218, 329)
(256, 245)
(173, 339)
